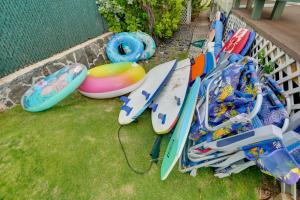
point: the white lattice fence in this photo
(234, 23)
(287, 70)
(186, 16)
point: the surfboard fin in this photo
(153, 106)
(146, 94)
(127, 109)
(162, 117)
(124, 99)
(178, 100)
(156, 149)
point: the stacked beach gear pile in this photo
(226, 115)
(242, 119)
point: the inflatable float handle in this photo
(146, 94)
(127, 109)
(178, 101)
(162, 117)
(192, 61)
(153, 106)
(124, 99)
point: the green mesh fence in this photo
(32, 30)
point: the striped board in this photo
(138, 100)
(181, 131)
(167, 105)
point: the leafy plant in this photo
(160, 18)
(267, 67)
(199, 5)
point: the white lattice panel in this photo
(233, 23)
(287, 70)
(186, 17)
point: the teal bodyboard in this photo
(181, 131)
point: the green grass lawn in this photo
(72, 152)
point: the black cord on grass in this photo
(126, 158)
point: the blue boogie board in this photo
(249, 43)
(210, 63)
(181, 131)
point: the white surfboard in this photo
(138, 100)
(167, 105)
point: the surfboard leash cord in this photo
(127, 160)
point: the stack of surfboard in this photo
(172, 95)
(171, 90)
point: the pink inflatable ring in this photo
(112, 80)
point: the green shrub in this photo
(199, 5)
(160, 18)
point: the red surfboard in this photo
(237, 42)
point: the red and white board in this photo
(237, 42)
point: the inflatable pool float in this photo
(148, 42)
(128, 40)
(112, 80)
(53, 88)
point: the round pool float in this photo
(148, 42)
(112, 80)
(53, 88)
(125, 40)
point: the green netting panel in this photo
(33, 30)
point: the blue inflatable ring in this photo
(148, 42)
(128, 40)
(149, 45)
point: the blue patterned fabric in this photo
(281, 165)
(235, 94)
